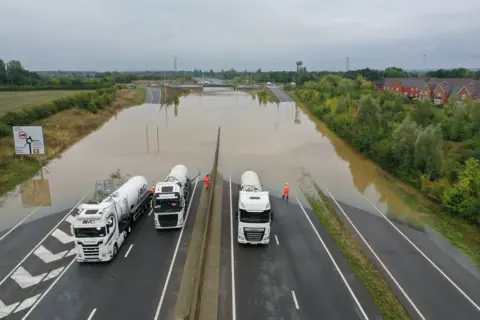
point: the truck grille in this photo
(168, 220)
(254, 235)
(90, 251)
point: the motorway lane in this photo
(153, 95)
(428, 289)
(265, 276)
(280, 94)
(126, 288)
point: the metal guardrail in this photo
(198, 288)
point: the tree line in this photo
(90, 101)
(436, 148)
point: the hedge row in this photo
(91, 101)
(85, 86)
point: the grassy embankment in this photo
(380, 291)
(16, 101)
(61, 131)
(459, 233)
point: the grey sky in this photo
(271, 34)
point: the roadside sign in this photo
(28, 140)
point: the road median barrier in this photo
(189, 302)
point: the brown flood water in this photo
(278, 141)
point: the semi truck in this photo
(254, 214)
(170, 199)
(100, 229)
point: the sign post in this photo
(29, 141)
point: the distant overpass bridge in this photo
(212, 85)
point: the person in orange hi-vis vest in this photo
(286, 192)
(206, 181)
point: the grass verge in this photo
(11, 101)
(459, 233)
(60, 131)
(382, 295)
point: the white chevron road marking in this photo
(24, 279)
(6, 310)
(53, 274)
(70, 219)
(47, 256)
(62, 236)
(70, 253)
(27, 303)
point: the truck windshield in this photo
(90, 232)
(167, 205)
(255, 217)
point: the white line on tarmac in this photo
(157, 313)
(150, 213)
(295, 299)
(128, 251)
(41, 241)
(19, 223)
(48, 290)
(376, 256)
(232, 255)
(333, 261)
(276, 239)
(426, 257)
(90, 317)
(149, 91)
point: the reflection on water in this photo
(277, 140)
(36, 193)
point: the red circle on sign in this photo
(22, 135)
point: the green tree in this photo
(424, 113)
(394, 72)
(3, 72)
(368, 111)
(403, 144)
(428, 150)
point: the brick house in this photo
(409, 87)
(471, 90)
(457, 87)
(393, 85)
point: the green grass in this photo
(380, 291)
(17, 100)
(17, 171)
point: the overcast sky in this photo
(243, 34)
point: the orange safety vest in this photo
(207, 180)
(285, 190)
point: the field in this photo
(16, 101)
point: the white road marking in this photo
(150, 213)
(53, 274)
(232, 255)
(6, 310)
(295, 300)
(62, 236)
(377, 257)
(40, 242)
(70, 219)
(276, 240)
(149, 91)
(71, 253)
(157, 313)
(47, 256)
(90, 317)
(426, 257)
(128, 251)
(27, 303)
(24, 279)
(333, 261)
(19, 223)
(48, 290)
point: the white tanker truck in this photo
(170, 199)
(254, 213)
(100, 229)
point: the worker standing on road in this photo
(206, 181)
(286, 192)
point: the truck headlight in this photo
(267, 206)
(242, 206)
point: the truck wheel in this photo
(115, 250)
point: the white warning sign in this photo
(28, 140)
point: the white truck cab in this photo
(170, 199)
(254, 214)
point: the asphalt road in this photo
(293, 277)
(280, 94)
(129, 287)
(437, 285)
(154, 95)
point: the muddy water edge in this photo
(280, 141)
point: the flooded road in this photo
(279, 141)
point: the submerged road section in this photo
(300, 274)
